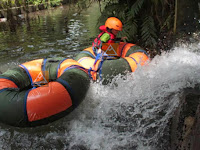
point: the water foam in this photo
(133, 112)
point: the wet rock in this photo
(185, 129)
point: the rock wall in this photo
(185, 125)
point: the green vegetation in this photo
(13, 3)
(143, 19)
(147, 22)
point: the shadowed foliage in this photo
(149, 22)
(143, 19)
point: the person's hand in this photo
(124, 38)
(99, 51)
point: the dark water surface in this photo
(56, 32)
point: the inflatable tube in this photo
(41, 91)
(129, 56)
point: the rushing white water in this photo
(132, 112)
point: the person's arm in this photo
(122, 39)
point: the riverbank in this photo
(15, 11)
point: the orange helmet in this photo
(113, 23)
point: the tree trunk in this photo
(27, 14)
(17, 3)
(10, 17)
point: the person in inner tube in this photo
(108, 35)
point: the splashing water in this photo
(134, 113)
(131, 113)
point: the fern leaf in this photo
(135, 8)
(148, 31)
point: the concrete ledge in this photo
(21, 10)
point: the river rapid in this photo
(132, 112)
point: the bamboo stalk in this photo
(175, 17)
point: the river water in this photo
(64, 32)
(134, 115)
